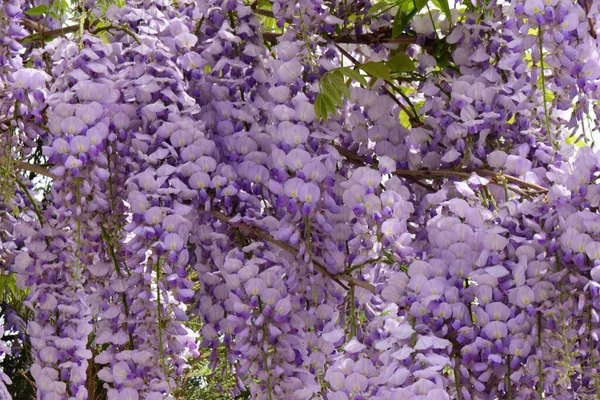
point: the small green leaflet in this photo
(443, 5)
(378, 7)
(8, 281)
(384, 5)
(334, 88)
(35, 11)
(407, 10)
(401, 63)
(324, 105)
(376, 69)
(354, 75)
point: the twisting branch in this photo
(445, 173)
(36, 169)
(271, 37)
(247, 229)
(360, 162)
(366, 38)
(586, 3)
(51, 34)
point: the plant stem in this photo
(160, 335)
(457, 381)
(542, 67)
(591, 339)
(352, 312)
(78, 194)
(508, 383)
(540, 369)
(266, 356)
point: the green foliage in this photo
(400, 63)
(406, 11)
(443, 5)
(334, 85)
(376, 69)
(8, 283)
(201, 383)
(35, 11)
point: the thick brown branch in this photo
(50, 34)
(271, 37)
(74, 28)
(36, 169)
(367, 38)
(247, 229)
(441, 173)
(586, 3)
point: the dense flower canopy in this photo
(341, 199)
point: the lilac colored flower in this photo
(72, 125)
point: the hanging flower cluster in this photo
(436, 237)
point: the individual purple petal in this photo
(309, 193)
(173, 242)
(521, 296)
(495, 330)
(295, 135)
(255, 286)
(592, 249)
(199, 180)
(49, 355)
(128, 394)
(494, 242)
(498, 311)
(283, 306)
(356, 383)
(297, 158)
(72, 125)
(120, 372)
(138, 202)
(79, 144)
(73, 163)
(121, 120)
(89, 113)
(292, 186)
(186, 40)
(97, 133)
(258, 174)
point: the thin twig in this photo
(414, 119)
(338, 278)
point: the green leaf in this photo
(405, 13)
(7, 281)
(354, 75)
(401, 63)
(328, 89)
(35, 11)
(401, 22)
(405, 119)
(378, 7)
(337, 80)
(443, 5)
(376, 69)
(323, 104)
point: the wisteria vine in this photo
(343, 199)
